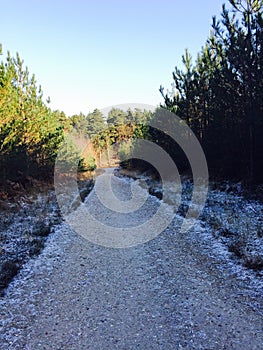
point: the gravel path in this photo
(164, 294)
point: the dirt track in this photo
(164, 294)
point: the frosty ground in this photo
(177, 291)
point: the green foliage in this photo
(116, 117)
(79, 123)
(90, 164)
(125, 150)
(30, 133)
(95, 123)
(69, 159)
(220, 96)
(72, 158)
(122, 127)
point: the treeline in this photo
(31, 133)
(110, 136)
(220, 95)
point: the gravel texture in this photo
(24, 226)
(169, 293)
(25, 222)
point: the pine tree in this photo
(29, 132)
(220, 95)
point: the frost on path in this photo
(165, 294)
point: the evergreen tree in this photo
(95, 122)
(220, 95)
(29, 132)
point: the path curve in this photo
(163, 294)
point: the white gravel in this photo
(169, 293)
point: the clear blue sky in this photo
(89, 54)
